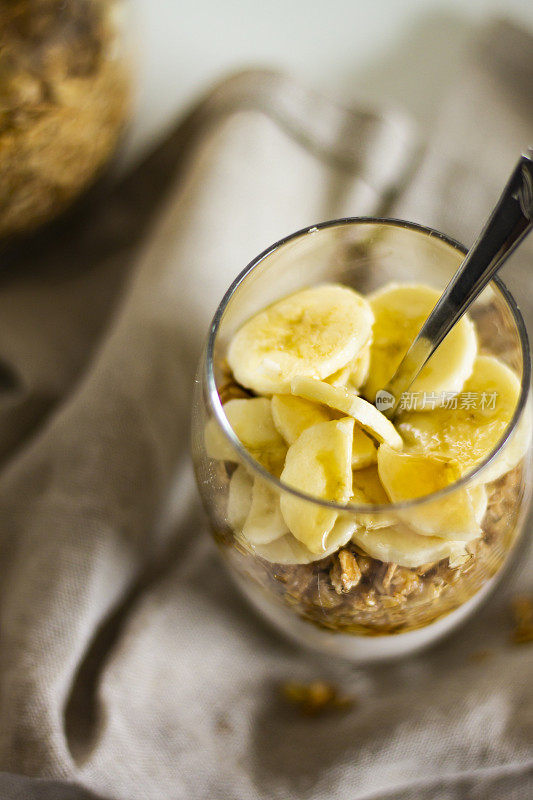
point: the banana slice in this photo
(367, 488)
(400, 545)
(216, 444)
(407, 476)
(399, 311)
(293, 415)
(239, 498)
(264, 523)
(364, 451)
(289, 550)
(373, 421)
(480, 500)
(342, 376)
(355, 373)
(251, 419)
(314, 332)
(471, 431)
(360, 367)
(319, 463)
(254, 514)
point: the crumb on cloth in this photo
(315, 697)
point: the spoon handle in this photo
(509, 223)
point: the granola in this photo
(64, 99)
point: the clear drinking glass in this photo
(392, 610)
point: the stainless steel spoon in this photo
(509, 223)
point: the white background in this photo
(404, 52)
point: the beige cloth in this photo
(129, 666)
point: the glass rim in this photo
(218, 410)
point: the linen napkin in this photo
(129, 666)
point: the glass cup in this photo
(354, 605)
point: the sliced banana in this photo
(360, 367)
(355, 373)
(337, 397)
(398, 544)
(286, 550)
(367, 489)
(292, 415)
(239, 498)
(289, 550)
(364, 451)
(312, 351)
(399, 312)
(314, 332)
(471, 431)
(407, 476)
(264, 522)
(251, 420)
(319, 463)
(480, 500)
(216, 444)
(342, 376)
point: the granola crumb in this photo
(316, 697)
(425, 568)
(365, 564)
(404, 582)
(389, 574)
(345, 573)
(522, 610)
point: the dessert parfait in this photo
(356, 534)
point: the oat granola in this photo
(64, 99)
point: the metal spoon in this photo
(509, 223)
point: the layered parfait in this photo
(359, 524)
